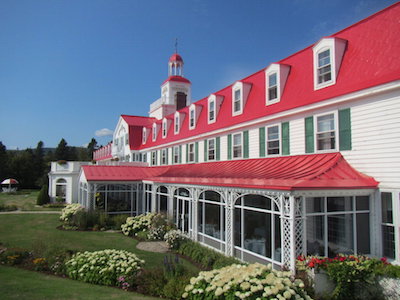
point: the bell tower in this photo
(175, 90)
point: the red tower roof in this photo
(175, 57)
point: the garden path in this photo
(157, 246)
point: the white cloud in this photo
(104, 132)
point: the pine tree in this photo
(4, 169)
(62, 151)
(43, 197)
(92, 146)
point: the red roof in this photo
(302, 172)
(176, 78)
(370, 59)
(175, 57)
(138, 120)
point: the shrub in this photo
(103, 267)
(151, 282)
(43, 196)
(253, 281)
(206, 257)
(13, 256)
(118, 220)
(8, 207)
(174, 239)
(69, 211)
(135, 224)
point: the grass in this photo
(22, 284)
(24, 200)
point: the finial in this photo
(176, 45)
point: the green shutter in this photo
(205, 150)
(166, 157)
(217, 147)
(196, 152)
(309, 130)
(187, 153)
(229, 146)
(344, 129)
(180, 154)
(246, 144)
(261, 136)
(285, 138)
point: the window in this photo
(144, 135)
(61, 189)
(154, 158)
(237, 102)
(211, 149)
(164, 128)
(191, 153)
(127, 139)
(192, 118)
(237, 146)
(273, 143)
(177, 154)
(164, 157)
(177, 123)
(154, 132)
(211, 111)
(387, 225)
(324, 67)
(338, 225)
(272, 87)
(325, 133)
(327, 58)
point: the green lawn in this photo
(22, 284)
(24, 200)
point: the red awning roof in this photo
(301, 172)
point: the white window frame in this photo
(164, 157)
(192, 110)
(164, 128)
(154, 132)
(154, 158)
(241, 145)
(211, 112)
(336, 130)
(176, 155)
(234, 100)
(209, 149)
(276, 87)
(279, 140)
(177, 119)
(191, 153)
(321, 67)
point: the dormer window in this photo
(237, 102)
(276, 76)
(192, 118)
(240, 92)
(214, 104)
(328, 55)
(211, 111)
(154, 132)
(177, 123)
(164, 128)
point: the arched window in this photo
(61, 190)
(211, 219)
(162, 199)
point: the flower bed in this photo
(69, 211)
(104, 267)
(352, 276)
(255, 281)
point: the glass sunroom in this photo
(271, 211)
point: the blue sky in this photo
(70, 68)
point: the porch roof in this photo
(300, 172)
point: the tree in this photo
(43, 197)
(92, 146)
(22, 168)
(3, 162)
(62, 151)
(39, 165)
